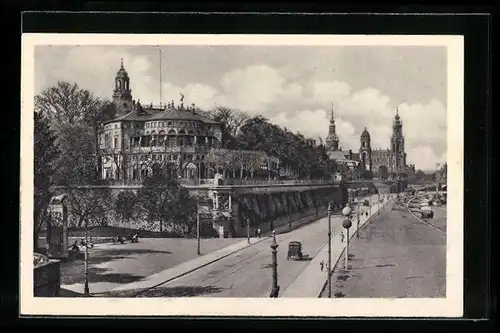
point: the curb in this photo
(225, 256)
(183, 273)
(420, 220)
(343, 252)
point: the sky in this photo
(292, 86)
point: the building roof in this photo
(149, 114)
(338, 155)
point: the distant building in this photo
(332, 147)
(394, 158)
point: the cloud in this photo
(300, 105)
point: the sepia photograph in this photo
(223, 172)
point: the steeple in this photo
(398, 142)
(122, 94)
(332, 140)
(365, 149)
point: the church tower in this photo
(365, 150)
(332, 140)
(398, 144)
(122, 95)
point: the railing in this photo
(228, 182)
(279, 182)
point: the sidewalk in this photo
(132, 289)
(311, 281)
(184, 268)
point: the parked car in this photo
(294, 250)
(426, 212)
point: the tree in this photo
(88, 207)
(165, 202)
(94, 117)
(232, 119)
(125, 205)
(45, 156)
(76, 164)
(67, 104)
(383, 172)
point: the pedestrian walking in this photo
(321, 265)
(258, 232)
(341, 236)
(255, 233)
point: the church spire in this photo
(332, 140)
(121, 63)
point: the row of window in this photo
(155, 124)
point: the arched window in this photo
(169, 123)
(118, 84)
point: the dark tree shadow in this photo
(75, 275)
(181, 291)
(73, 271)
(339, 294)
(102, 256)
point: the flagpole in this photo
(161, 82)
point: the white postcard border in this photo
(451, 306)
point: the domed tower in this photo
(332, 140)
(365, 150)
(398, 143)
(122, 95)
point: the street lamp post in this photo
(370, 206)
(86, 290)
(347, 224)
(198, 240)
(248, 230)
(274, 246)
(329, 251)
(357, 221)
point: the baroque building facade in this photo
(373, 159)
(141, 138)
(172, 138)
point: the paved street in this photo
(439, 219)
(396, 256)
(248, 273)
(111, 265)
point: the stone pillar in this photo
(57, 231)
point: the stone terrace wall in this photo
(265, 207)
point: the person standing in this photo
(322, 265)
(258, 232)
